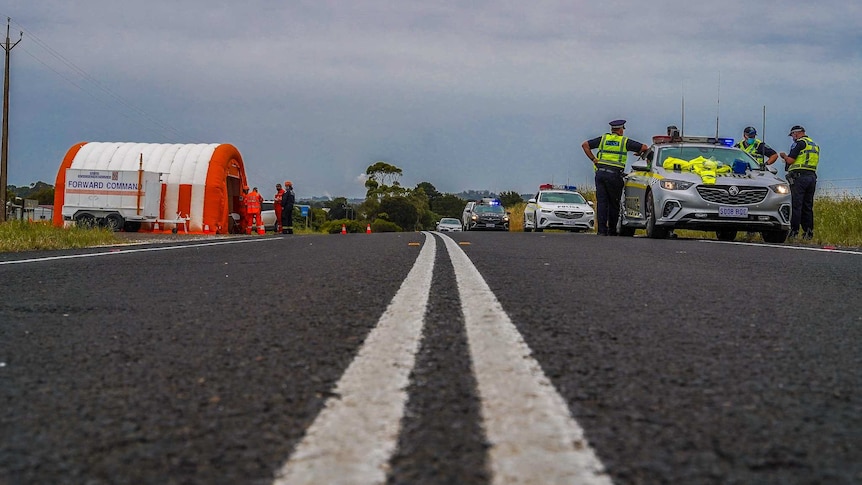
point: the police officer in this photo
(801, 164)
(609, 164)
(287, 201)
(276, 205)
(756, 148)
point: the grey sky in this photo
(465, 95)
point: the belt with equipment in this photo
(608, 169)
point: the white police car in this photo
(558, 207)
(703, 183)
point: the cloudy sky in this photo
(494, 95)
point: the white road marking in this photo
(352, 439)
(533, 437)
(115, 252)
(784, 246)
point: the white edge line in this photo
(355, 434)
(115, 252)
(533, 436)
(782, 246)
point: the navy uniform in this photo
(287, 200)
(609, 164)
(760, 151)
(801, 164)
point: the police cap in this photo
(618, 124)
(749, 130)
(796, 128)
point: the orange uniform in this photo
(253, 201)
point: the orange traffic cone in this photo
(368, 229)
(156, 226)
(343, 229)
(261, 229)
(206, 228)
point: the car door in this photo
(634, 192)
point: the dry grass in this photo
(18, 236)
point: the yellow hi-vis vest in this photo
(752, 149)
(808, 158)
(612, 150)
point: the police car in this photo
(558, 207)
(703, 183)
(486, 214)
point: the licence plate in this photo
(490, 224)
(733, 212)
(568, 222)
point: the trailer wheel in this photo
(132, 226)
(114, 222)
(85, 220)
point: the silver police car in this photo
(703, 183)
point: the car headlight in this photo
(474, 217)
(505, 218)
(669, 184)
(547, 211)
(780, 188)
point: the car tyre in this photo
(726, 235)
(652, 230)
(774, 237)
(536, 223)
(526, 228)
(622, 229)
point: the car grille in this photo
(568, 214)
(720, 195)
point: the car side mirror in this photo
(590, 203)
(772, 169)
(639, 168)
(508, 213)
(531, 201)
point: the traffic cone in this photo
(261, 230)
(206, 228)
(343, 229)
(368, 229)
(156, 226)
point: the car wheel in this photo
(652, 230)
(114, 222)
(527, 228)
(85, 220)
(622, 229)
(774, 237)
(725, 235)
(536, 222)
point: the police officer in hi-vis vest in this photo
(763, 153)
(801, 164)
(609, 164)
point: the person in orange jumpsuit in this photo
(242, 210)
(277, 207)
(253, 203)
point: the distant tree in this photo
(448, 205)
(401, 211)
(339, 208)
(429, 189)
(510, 198)
(382, 180)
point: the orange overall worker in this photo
(279, 192)
(252, 205)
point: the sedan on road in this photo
(704, 183)
(448, 224)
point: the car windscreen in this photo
(720, 155)
(488, 209)
(561, 198)
(450, 221)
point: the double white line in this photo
(533, 437)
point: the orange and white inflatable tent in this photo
(200, 181)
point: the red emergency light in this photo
(659, 139)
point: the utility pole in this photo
(4, 176)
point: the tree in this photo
(383, 180)
(401, 211)
(508, 199)
(448, 205)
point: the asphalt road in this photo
(231, 360)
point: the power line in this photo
(90, 83)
